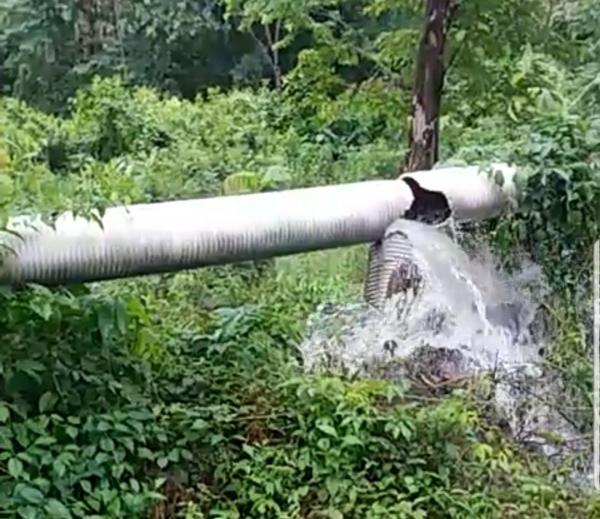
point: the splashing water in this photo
(467, 318)
(464, 305)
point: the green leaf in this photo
(86, 486)
(47, 401)
(276, 175)
(187, 455)
(42, 307)
(117, 471)
(71, 431)
(327, 429)
(4, 413)
(56, 509)
(29, 494)
(351, 440)
(45, 440)
(199, 425)
(30, 367)
(7, 188)
(59, 468)
(134, 484)
(29, 512)
(145, 453)
(107, 445)
(15, 468)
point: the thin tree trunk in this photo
(429, 81)
(274, 52)
(270, 52)
(96, 25)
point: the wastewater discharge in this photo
(467, 318)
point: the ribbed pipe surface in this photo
(162, 237)
(143, 239)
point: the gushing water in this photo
(463, 304)
(467, 318)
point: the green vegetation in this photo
(181, 395)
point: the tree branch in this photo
(267, 53)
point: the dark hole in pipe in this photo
(430, 207)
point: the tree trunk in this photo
(429, 80)
(96, 25)
(270, 51)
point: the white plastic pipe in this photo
(161, 237)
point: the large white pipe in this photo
(161, 237)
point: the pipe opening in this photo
(430, 207)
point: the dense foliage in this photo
(181, 395)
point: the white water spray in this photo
(463, 304)
(468, 318)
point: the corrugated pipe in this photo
(162, 237)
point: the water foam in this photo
(465, 304)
